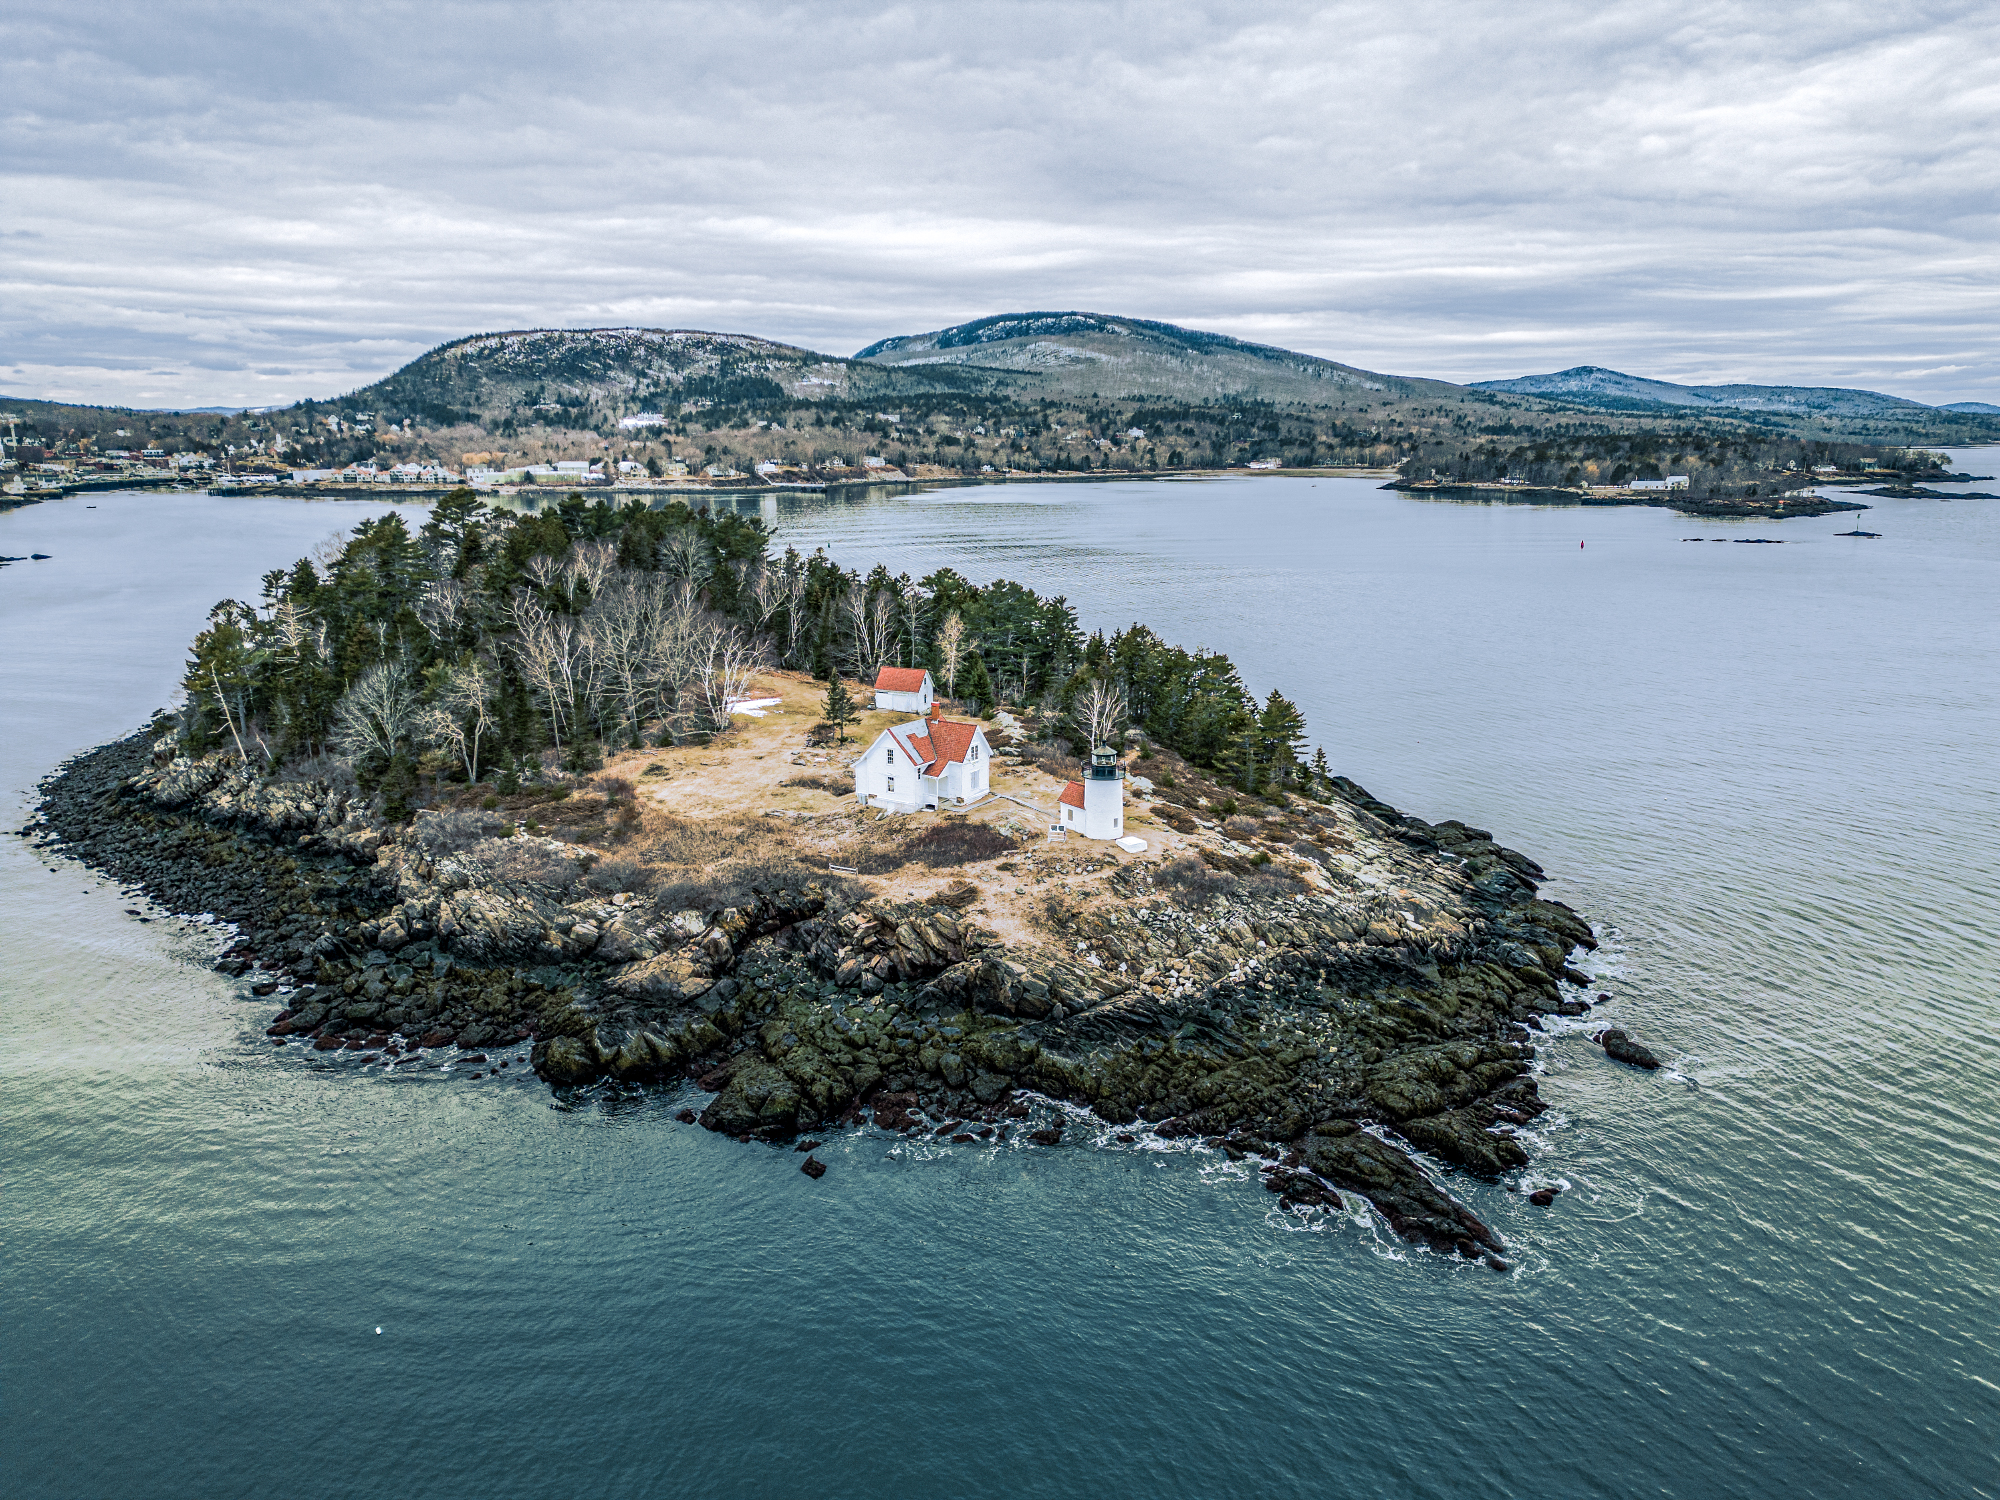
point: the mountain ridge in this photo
(1597, 385)
(1104, 355)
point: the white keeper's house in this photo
(904, 690)
(932, 763)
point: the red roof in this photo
(946, 743)
(950, 739)
(901, 680)
(1072, 795)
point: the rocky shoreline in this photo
(1394, 1005)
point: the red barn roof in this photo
(1072, 795)
(901, 680)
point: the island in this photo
(577, 792)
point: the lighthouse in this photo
(1103, 796)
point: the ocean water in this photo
(1767, 773)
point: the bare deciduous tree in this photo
(1101, 711)
(461, 713)
(375, 715)
(684, 554)
(589, 563)
(951, 650)
(546, 646)
(795, 604)
(732, 659)
(441, 608)
(871, 629)
(329, 549)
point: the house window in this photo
(891, 756)
(892, 783)
(974, 753)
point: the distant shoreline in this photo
(406, 493)
(1776, 507)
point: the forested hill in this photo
(1861, 415)
(1079, 354)
(614, 372)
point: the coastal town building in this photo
(1095, 806)
(926, 764)
(904, 690)
(1671, 482)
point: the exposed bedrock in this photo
(1290, 1020)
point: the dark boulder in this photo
(1415, 1207)
(813, 1167)
(563, 1061)
(1457, 1136)
(1620, 1046)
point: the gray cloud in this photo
(247, 204)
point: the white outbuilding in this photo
(904, 690)
(1095, 806)
(931, 763)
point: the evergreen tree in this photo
(1280, 736)
(839, 709)
(976, 684)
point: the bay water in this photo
(1766, 773)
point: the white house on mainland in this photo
(1095, 806)
(932, 763)
(1671, 482)
(904, 690)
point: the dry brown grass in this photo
(941, 846)
(834, 785)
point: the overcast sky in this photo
(248, 204)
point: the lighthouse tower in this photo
(1103, 796)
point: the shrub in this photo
(1193, 883)
(460, 828)
(1240, 828)
(1054, 759)
(945, 844)
(530, 864)
(736, 884)
(615, 788)
(830, 784)
(616, 874)
(1271, 882)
